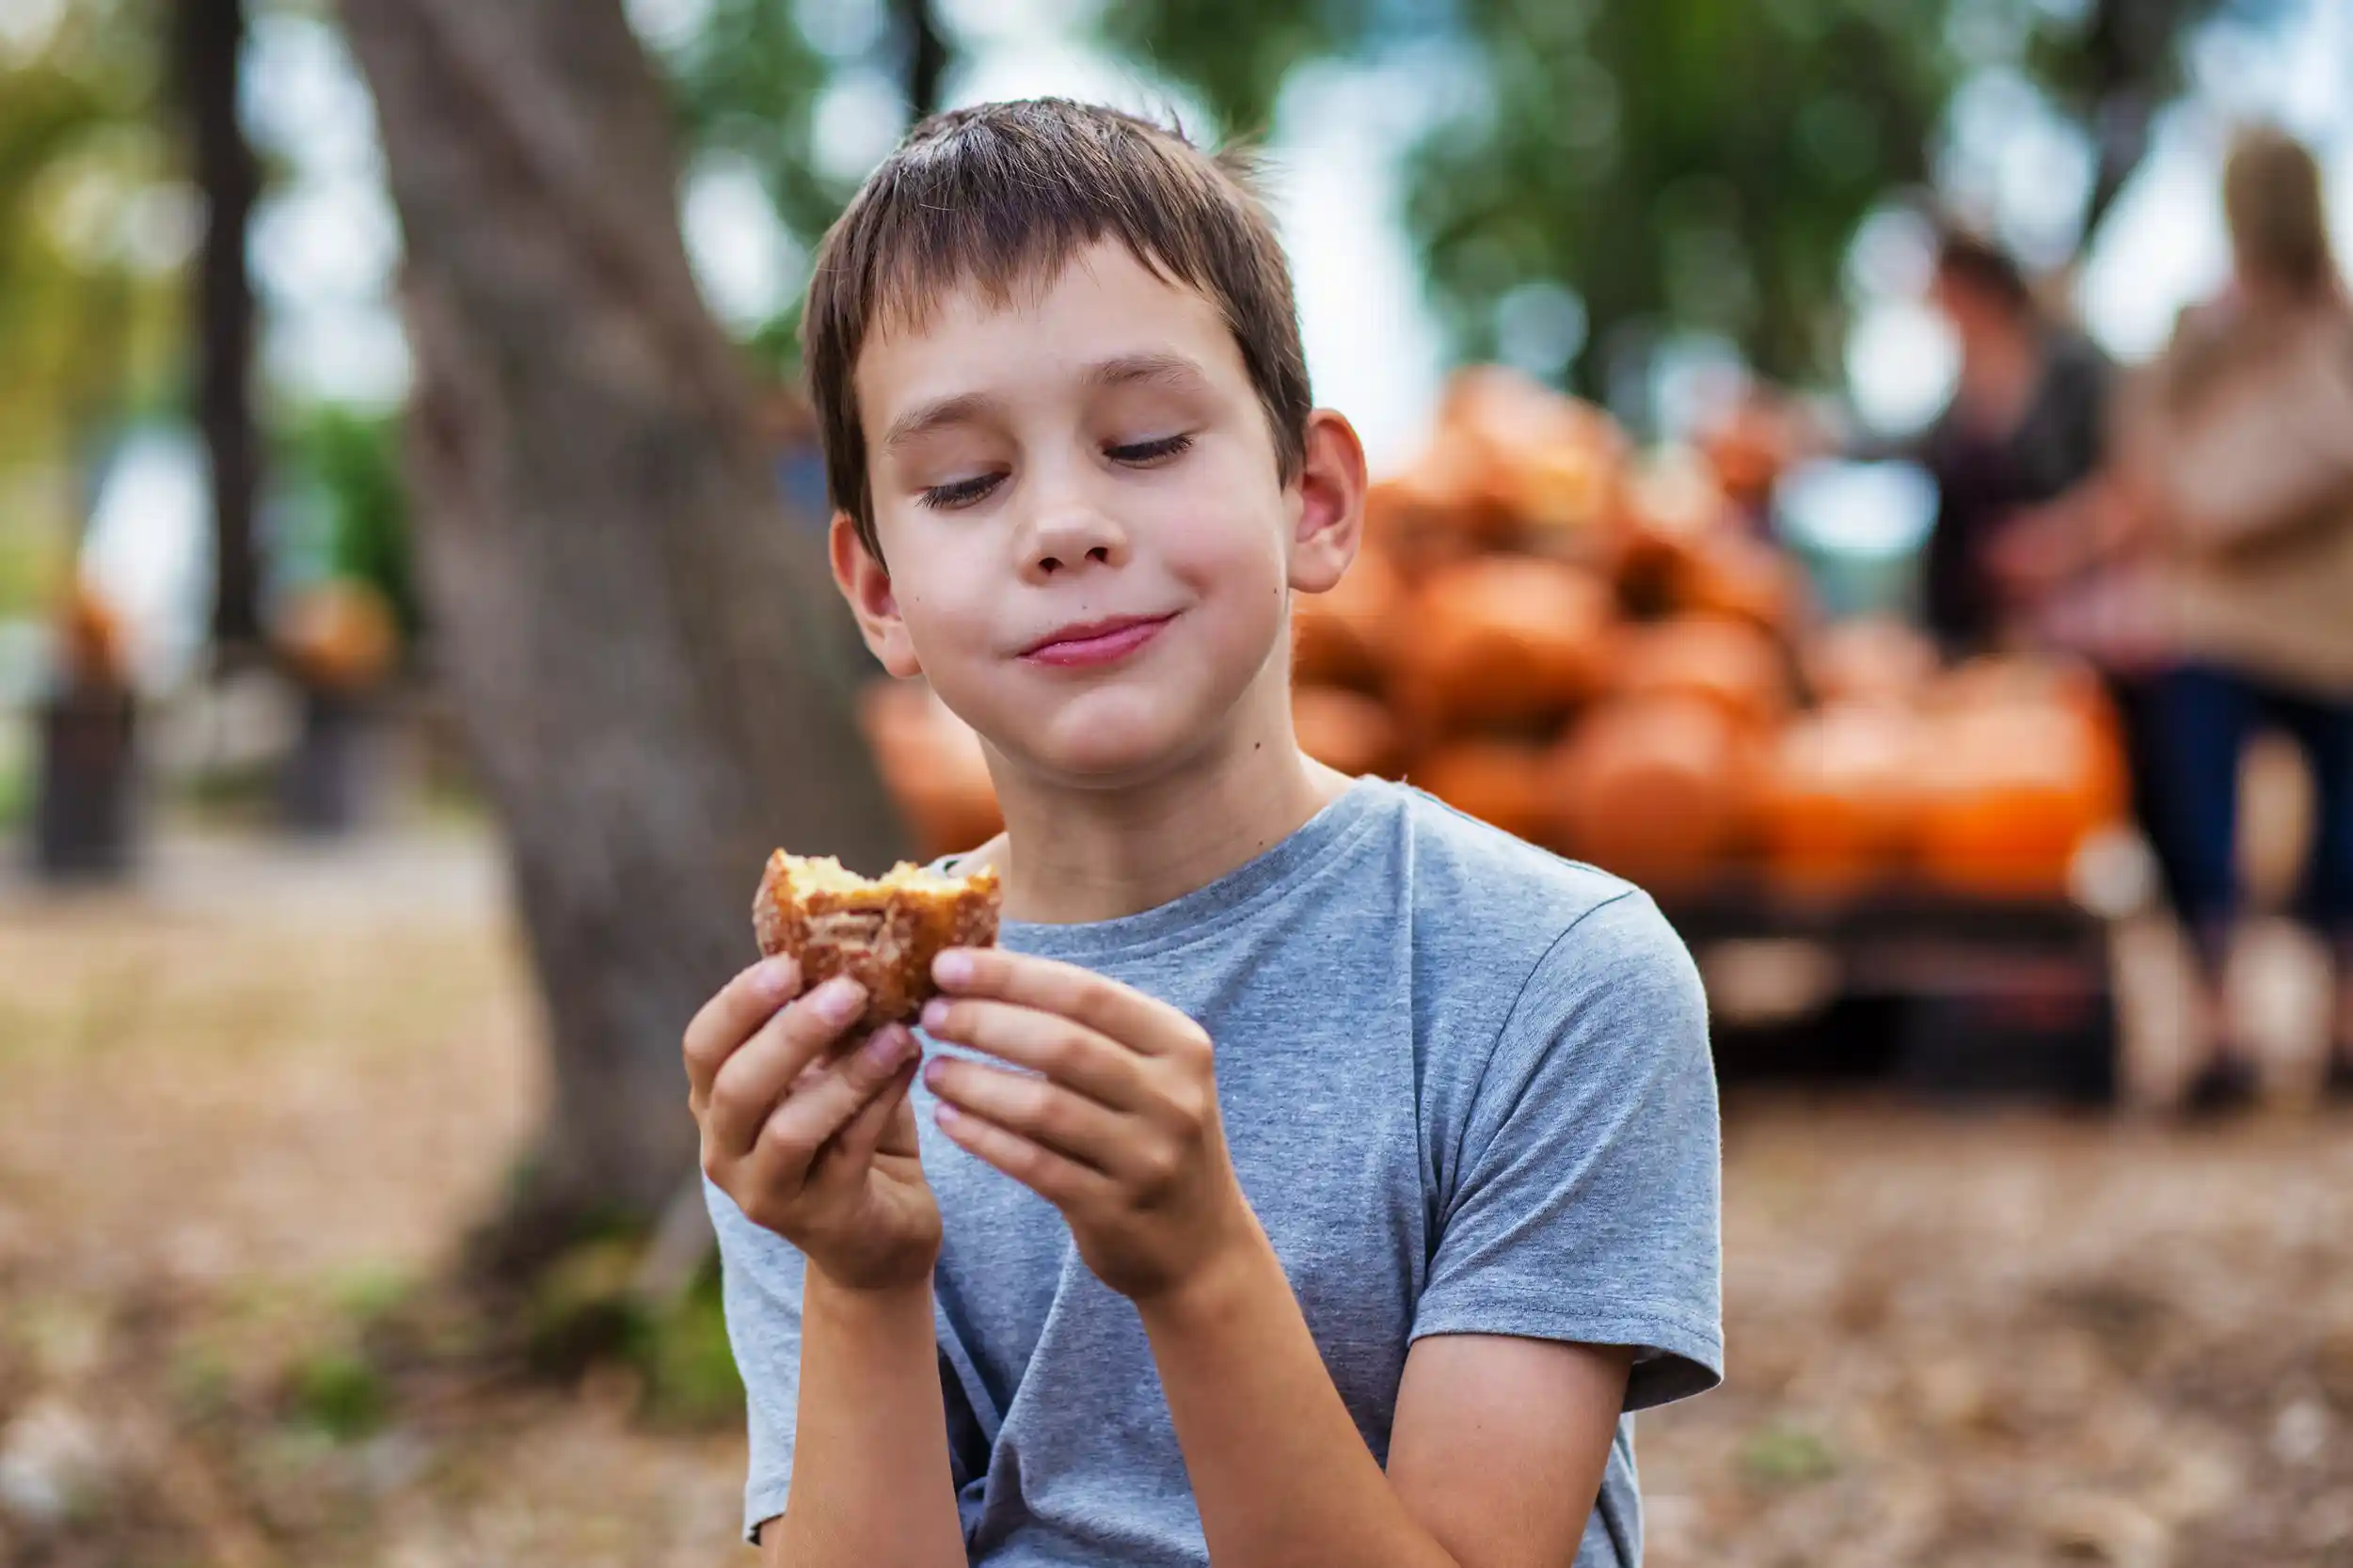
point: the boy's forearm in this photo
(1278, 1470)
(870, 1479)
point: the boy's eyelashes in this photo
(960, 493)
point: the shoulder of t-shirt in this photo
(1494, 910)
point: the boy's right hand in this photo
(814, 1142)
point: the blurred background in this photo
(1800, 467)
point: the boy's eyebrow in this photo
(924, 418)
(1127, 369)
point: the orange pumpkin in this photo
(340, 635)
(1347, 730)
(1655, 790)
(1737, 575)
(1437, 511)
(93, 647)
(1749, 447)
(1839, 802)
(1504, 639)
(2014, 788)
(933, 765)
(1499, 782)
(1730, 663)
(1869, 659)
(1545, 462)
(1347, 637)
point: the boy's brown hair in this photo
(1003, 196)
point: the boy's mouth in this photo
(1096, 642)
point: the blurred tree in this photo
(640, 646)
(1619, 172)
(90, 304)
(748, 82)
(208, 38)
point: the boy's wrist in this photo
(898, 1292)
(1224, 1286)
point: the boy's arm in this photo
(1495, 1457)
(871, 1482)
(1582, 1216)
(810, 1140)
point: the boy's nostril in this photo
(1099, 554)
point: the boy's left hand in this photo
(1120, 1131)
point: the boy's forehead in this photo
(1101, 306)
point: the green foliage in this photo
(340, 1393)
(1786, 1456)
(89, 294)
(1699, 165)
(748, 82)
(583, 1309)
(349, 463)
(1236, 52)
(689, 1365)
(1680, 166)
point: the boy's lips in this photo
(1096, 642)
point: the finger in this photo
(754, 1080)
(1040, 1111)
(854, 1148)
(800, 1127)
(740, 1007)
(1081, 995)
(1060, 1180)
(1070, 1054)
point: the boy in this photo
(1311, 1175)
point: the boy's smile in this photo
(1087, 535)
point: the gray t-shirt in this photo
(1467, 1089)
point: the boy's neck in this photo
(1074, 855)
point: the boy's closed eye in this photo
(959, 493)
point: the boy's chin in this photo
(1108, 751)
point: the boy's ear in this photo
(1330, 487)
(867, 584)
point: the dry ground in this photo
(242, 1110)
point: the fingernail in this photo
(837, 1000)
(934, 1015)
(952, 968)
(888, 1047)
(934, 1072)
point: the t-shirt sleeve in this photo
(1584, 1199)
(760, 1285)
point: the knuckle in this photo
(1050, 1111)
(1188, 1107)
(1157, 1168)
(1061, 1050)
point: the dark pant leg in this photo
(2137, 699)
(2200, 725)
(2324, 731)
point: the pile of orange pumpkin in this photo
(1592, 648)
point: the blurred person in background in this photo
(2235, 489)
(2026, 426)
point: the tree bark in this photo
(643, 651)
(208, 38)
(926, 57)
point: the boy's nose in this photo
(1074, 536)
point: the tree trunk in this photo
(208, 38)
(638, 642)
(927, 55)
